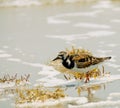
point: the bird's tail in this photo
(107, 58)
(104, 58)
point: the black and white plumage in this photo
(80, 62)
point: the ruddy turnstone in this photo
(80, 62)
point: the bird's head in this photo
(61, 55)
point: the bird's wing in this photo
(82, 61)
(81, 58)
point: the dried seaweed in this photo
(14, 78)
(40, 94)
(78, 51)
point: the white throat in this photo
(68, 61)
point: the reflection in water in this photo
(90, 92)
(7, 93)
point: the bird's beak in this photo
(56, 58)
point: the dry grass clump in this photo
(14, 78)
(40, 94)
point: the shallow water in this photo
(32, 36)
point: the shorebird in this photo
(79, 62)
(82, 62)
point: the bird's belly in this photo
(85, 69)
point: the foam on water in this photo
(49, 71)
(7, 85)
(100, 33)
(92, 25)
(57, 19)
(52, 102)
(19, 3)
(52, 20)
(112, 45)
(119, 69)
(32, 64)
(4, 55)
(113, 100)
(115, 94)
(116, 20)
(104, 51)
(91, 34)
(103, 4)
(101, 104)
(116, 9)
(113, 65)
(14, 59)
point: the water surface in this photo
(31, 36)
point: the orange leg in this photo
(87, 77)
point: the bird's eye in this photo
(82, 60)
